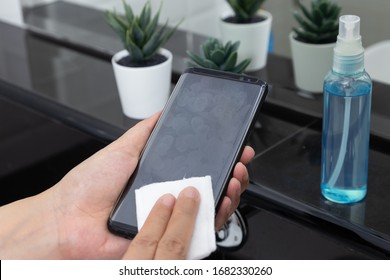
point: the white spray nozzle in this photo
(349, 41)
(349, 27)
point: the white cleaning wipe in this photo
(203, 240)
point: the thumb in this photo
(133, 141)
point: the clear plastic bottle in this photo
(346, 118)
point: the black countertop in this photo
(68, 83)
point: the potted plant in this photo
(216, 55)
(251, 26)
(143, 69)
(312, 43)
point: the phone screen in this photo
(202, 131)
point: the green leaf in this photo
(152, 26)
(217, 56)
(128, 12)
(210, 64)
(239, 11)
(235, 46)
(207, 47)
(165, 36)
(230, 62)
(311, 37)
(306, 25)
(245, 9)
(304, 36)
(326, 26)
(137, 34)
(241, 66)
(156, 40)
(116, 26)
(305, 11)
(120, 21)
(205, 63)
(197, 59)
(252, 7)
(134, 51)
(327, 37)
(144, 18)
(151, 46)
(324, 7)
(317, 17)
(334, 12)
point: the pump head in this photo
(349, 27)
(349, 41)
(349, 52)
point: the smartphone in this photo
(201, 131)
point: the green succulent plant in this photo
(215, 55)
(320, 24)
(245, 10)
(141, 35)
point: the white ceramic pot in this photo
(253, 37)
(143, 91)
(311, 63)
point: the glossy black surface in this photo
(287, 216)
(36, 151)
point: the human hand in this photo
(91, 189)
(69, 220)
(167, 232)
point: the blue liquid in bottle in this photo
(346, 118)
(345, 138)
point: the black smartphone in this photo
(201, 131)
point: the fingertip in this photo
(241, 173)
(223, 213)
(235, 192)
(167, 200)
(188, 200)
(247, 155)
(236, 187)
(190, 192)
(251, 151)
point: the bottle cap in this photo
(349, 28)
(349, 52)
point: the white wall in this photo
(11, 12)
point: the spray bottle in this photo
(346, 118)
